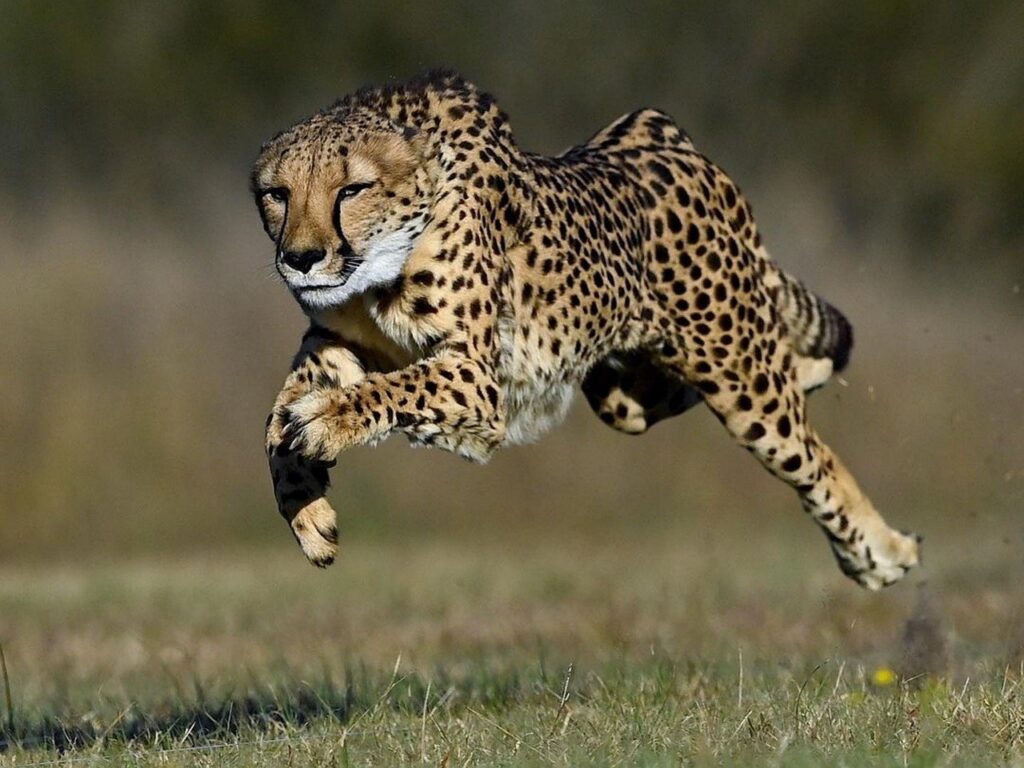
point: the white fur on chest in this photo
(533, 410)
(536, 399)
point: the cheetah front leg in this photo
(323, 362)
(450, 401)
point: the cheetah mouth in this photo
(307, 290)
(347, 270)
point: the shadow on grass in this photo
(206, 720)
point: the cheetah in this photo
(459, 289)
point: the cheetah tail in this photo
(816, 328)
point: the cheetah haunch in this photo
(459, 288)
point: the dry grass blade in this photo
(7, 691)
(562, 702)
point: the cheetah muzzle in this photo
(490, 282)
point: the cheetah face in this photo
(344, 206)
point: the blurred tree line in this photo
(910, 114)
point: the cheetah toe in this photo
(882, 562)
(316, 531)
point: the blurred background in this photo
(143, 334)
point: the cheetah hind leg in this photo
(765, 411)
(628, 392)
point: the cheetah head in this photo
(344, 196)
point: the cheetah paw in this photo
(880, 562)
(320, 425)
(316, 531)
(623, 413)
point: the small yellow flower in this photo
(883, 676)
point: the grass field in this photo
(655, 651)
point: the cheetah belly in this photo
(536, 399)
(534, 407)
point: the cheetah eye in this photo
(277, 194)
(352, 190)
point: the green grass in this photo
(658, 650)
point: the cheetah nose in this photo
(303, 261)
